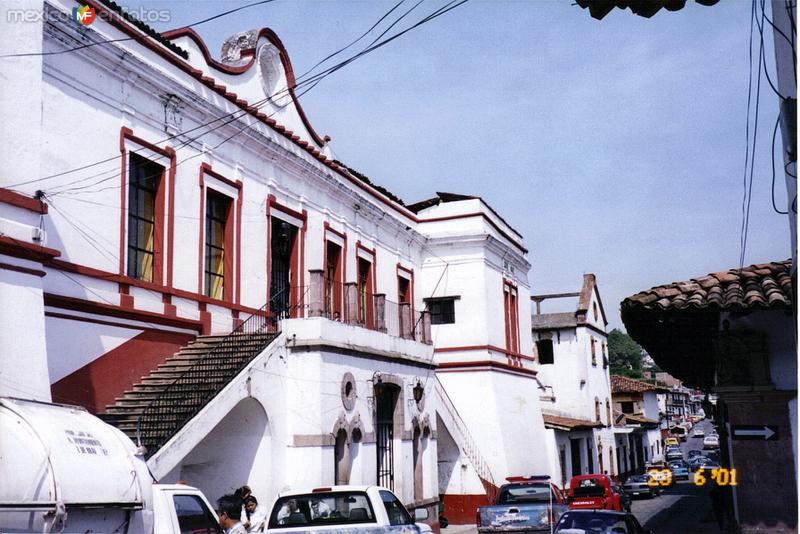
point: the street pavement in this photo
(681, 509)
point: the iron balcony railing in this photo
(351, 304)
(183, 398)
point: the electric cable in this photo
(774, 133)
(106, 41)
(312, 81)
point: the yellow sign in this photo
(720, 475)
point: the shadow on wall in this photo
(229, 455)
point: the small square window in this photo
(443, 310)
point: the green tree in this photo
(624, 354)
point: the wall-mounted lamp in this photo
(418, 391)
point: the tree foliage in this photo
(624, 354)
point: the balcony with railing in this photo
(349, 304)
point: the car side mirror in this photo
(420, 514)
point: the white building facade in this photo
(572, 361)
(164, 212)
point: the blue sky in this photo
(616, 147)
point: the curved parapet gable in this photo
(256, 66)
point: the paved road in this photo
(682, 509)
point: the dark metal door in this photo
(575, 453)
(385, 400)
(282, 241)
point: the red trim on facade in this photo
(125, 298)
(24, 250)
(477, 214)
(340, 274)
(98, 383)
(161, 269)
(296, 293)
(113, 277)
(515, 355)
(460, 509)
(252, 110)
(227, 69)
(371, 281)
(511, 314)
(24, 270)
(88, 306)
(233, 260)
(410, 295)
(482, 365)
(286, 209)
(7, 196)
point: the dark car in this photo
(599, 521)
(695, 452)
(641, 486)
(680, 470)
(699, 461)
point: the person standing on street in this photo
(230, 514)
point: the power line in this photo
(774, 133)
(749, 192)
(106, 41)
(747, 135)
(313, 81)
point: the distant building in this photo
(571, 350)
(639, 440)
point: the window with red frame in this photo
(218, 245)
(364, 284)
(333, 280)
(511, 316)
(145, 219)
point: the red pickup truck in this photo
(595, 492)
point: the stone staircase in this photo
(161, 403)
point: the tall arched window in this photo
(597, 409)
(609, 422)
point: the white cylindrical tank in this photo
(64, 470)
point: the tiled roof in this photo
(568, 423)
(637, 418)
(122, 12)
(760, 286)
(367, 181)
(623, 384)
(547, 321)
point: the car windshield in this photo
(319, 509)
(592, 523)
(638, 479)
(524, 493)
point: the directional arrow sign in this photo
(759, 432)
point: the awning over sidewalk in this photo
(557, 422)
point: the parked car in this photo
(594, 492)
(671, 441)
(698, 461)
(526, 504)
(599, 521)
(661, 473)
(674, 455)
(354, 508)
(641, 486)
(711, 442)
(680, 470)
(679, 432)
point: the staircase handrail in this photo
(468, 444)
(257, 323)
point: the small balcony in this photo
(350, 304)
